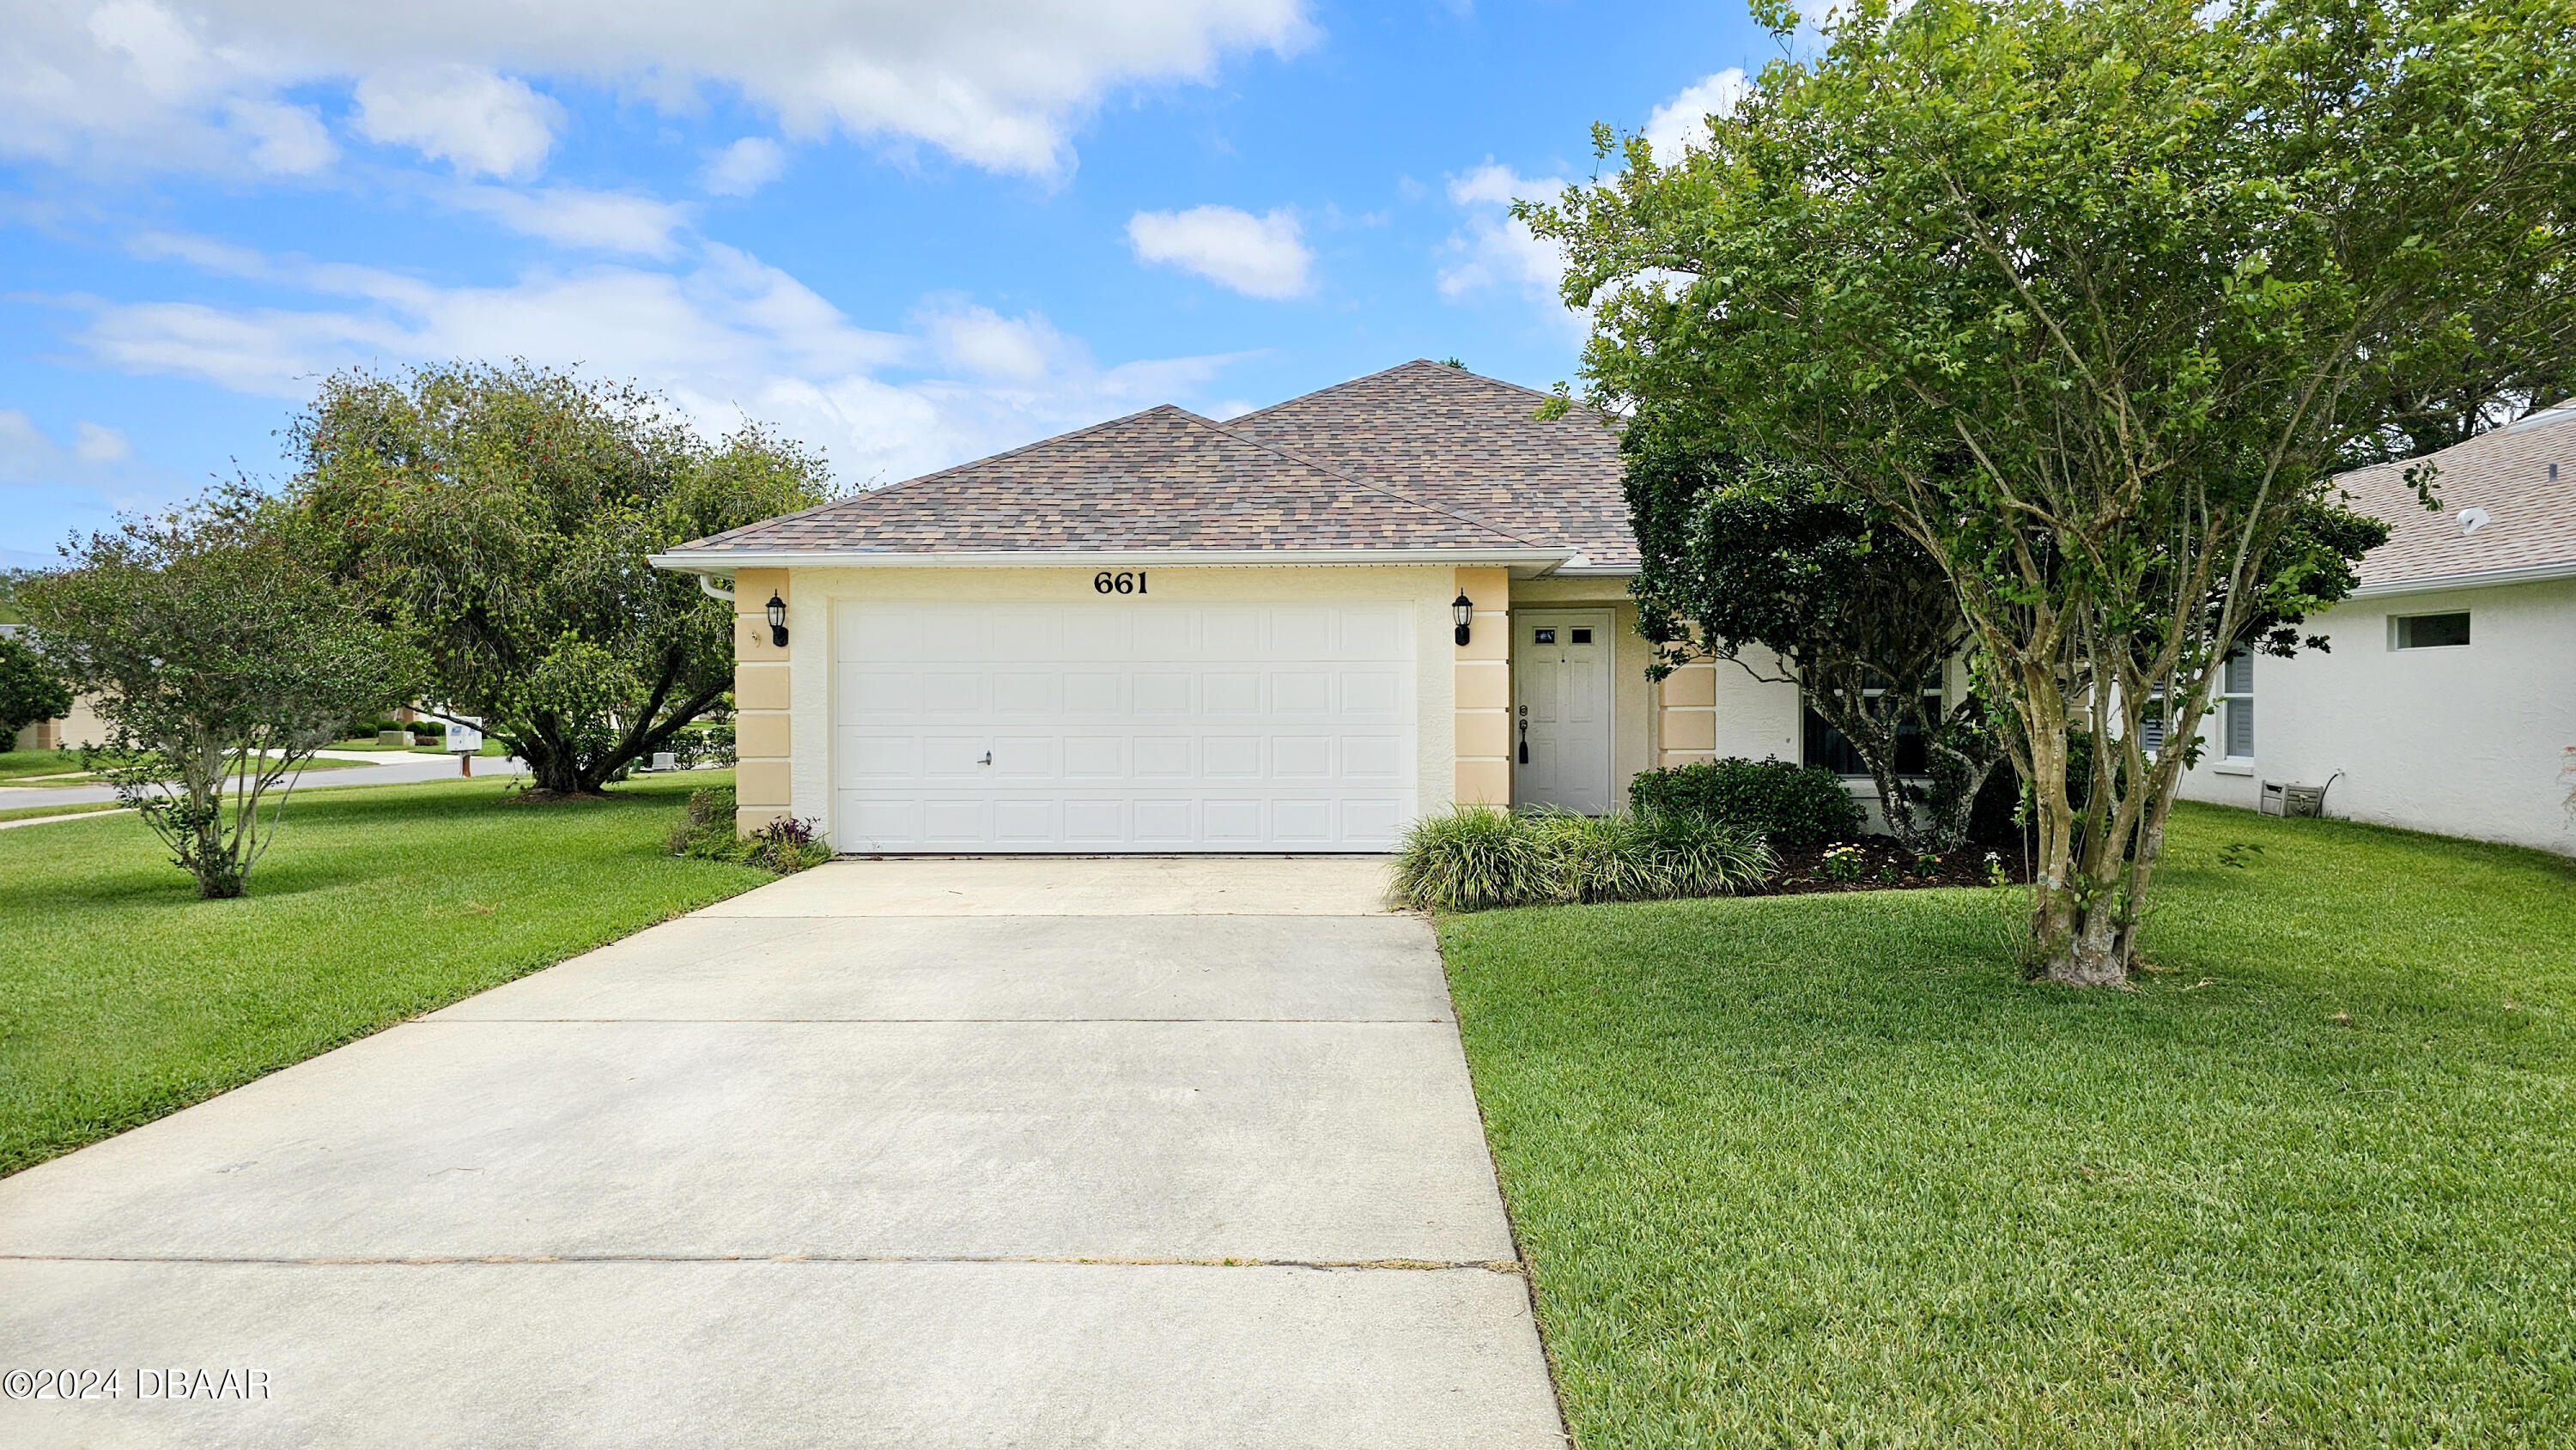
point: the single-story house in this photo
(1295, 630)
(2446, 701)
(1300, 628)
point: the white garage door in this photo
(1122, 725)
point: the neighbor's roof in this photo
(1163, 479)
(1470, 443)
(2529, 529)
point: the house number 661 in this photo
(1122, 582)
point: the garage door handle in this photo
(987, 760)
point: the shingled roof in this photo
(1163, 479)
(2530, 516)
(1451, 437)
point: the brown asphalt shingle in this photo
(2531, 518)
(1450, 437)
(1160, 479)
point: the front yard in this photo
(123, 997)
(1821, 1170)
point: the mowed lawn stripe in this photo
(1824, 1170)
(123, 997)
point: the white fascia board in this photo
(2481, 579)
(1539, 561)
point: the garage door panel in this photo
(953, 692)
(1231, 757)
(1372, 692)
(1232, 692)
(1165, 693)
(1131, 726)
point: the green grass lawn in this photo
(124, 997)
(1822, 1170)
(21, 813)
(56, 778)
(16, 763)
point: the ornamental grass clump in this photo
(1474, 858)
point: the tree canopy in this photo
(1745, 550)
(503, 515)
(30, 690)
(2091, 298)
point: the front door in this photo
(1561, 720)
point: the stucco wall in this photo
(2465, 741)
(807, 768)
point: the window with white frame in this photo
(2236, 706)
(2428, 631)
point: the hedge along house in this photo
(1166, 633)
(2446, 700)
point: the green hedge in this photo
(1787, 805)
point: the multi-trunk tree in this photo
(2091, 300)
(220, 654)
(503, 517)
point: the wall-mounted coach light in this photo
(1462, 610)
(778, 621)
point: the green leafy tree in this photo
(30, 690)
(220, 654)
(504, 516)
(2091, 300)
(1748, 550)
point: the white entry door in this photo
(1561, 673)
(1122, 725)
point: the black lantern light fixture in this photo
(778, 621)
(1463, 610)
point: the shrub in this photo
(706, 831)
(1471, 858)
(1476, 857)
(1790, 805)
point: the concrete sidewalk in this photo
(891, 1153)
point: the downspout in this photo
(707, 588)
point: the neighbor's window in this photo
(2236, 706)
(2428, 631)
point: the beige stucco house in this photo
(2447, 699)
(1167, 633)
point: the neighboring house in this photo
(81, 727)
(2447, 701)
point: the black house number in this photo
(1122, 582)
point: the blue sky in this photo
(908, 234)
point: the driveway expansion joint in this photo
(1508, 1267)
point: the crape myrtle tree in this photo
(1745, 549)
(220, 653)
(503, 516)
(2091, 300)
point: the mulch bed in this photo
(1886, 866)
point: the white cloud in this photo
(1258, 256)
(570, 217)
(97, 443)
(287, 139)
(1494, 249)
(745, 166)
(999, 84)
(481, 123)
(725, 335)
(1683, 120)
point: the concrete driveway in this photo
(905, 1153)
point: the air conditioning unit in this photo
(2280, 798)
